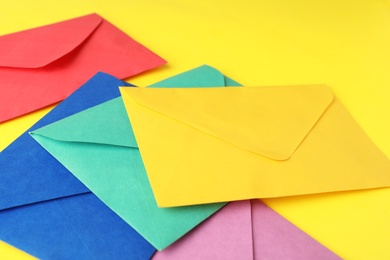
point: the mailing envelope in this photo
(98, 147)
(246, 230)
(225, 144)
(47, 212)
(42, 66)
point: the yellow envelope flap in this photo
(269, 121)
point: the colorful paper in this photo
(225, 235)
(246, 230)
(344, 44)
(101, 151)
(10, 252)
(42, 66)
(47, 212)
(226, 144)
(77, 227)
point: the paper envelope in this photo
(98, 147)
(226, 144)
(42, 66)
(47, 212)
(246, 230)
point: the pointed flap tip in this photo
(268, 121)
(95, 125)
(38, 47)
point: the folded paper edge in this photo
(95, 23)
(283, 157)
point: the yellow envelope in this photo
(226, 144)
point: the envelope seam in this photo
(176, 120)
(82, 142)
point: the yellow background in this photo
(344, 44)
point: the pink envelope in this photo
(42, 66)
(246, 230)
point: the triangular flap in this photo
(268, 121)
(106, 123)
(274, 237)
(40, 46)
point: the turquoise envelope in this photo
(98, 146)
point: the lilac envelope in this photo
(246, 230)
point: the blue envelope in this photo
(46, 211)
(97, 145)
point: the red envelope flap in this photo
(40, 46)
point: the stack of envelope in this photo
(171, 171)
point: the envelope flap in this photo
(269, 121)
(40, 46)
(106, 123)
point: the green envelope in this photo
(98, 146)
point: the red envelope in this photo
(42, 66)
